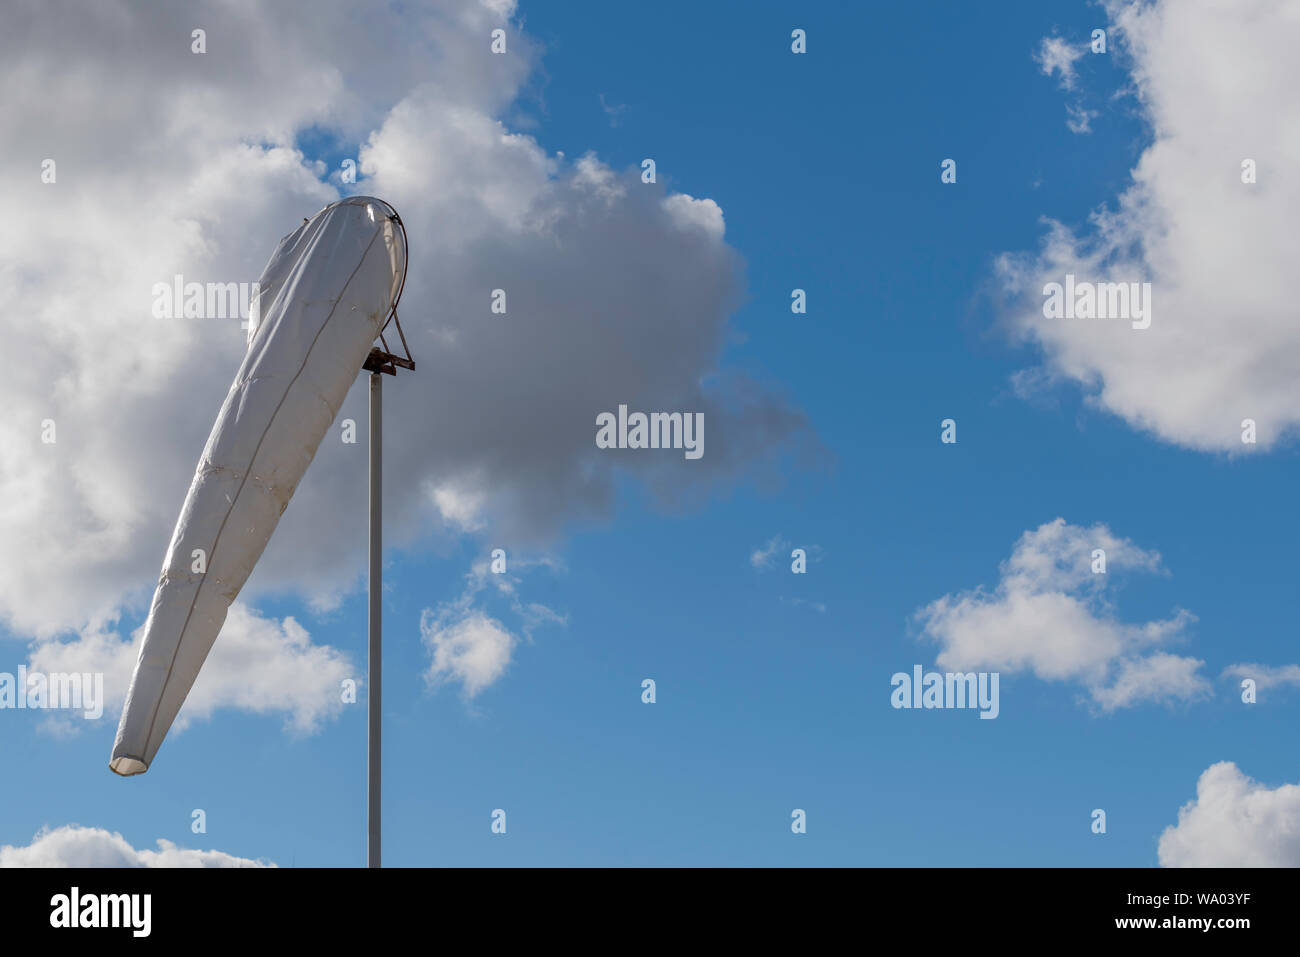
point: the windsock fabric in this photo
(322, 300)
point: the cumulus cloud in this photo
(1158, 676)
(171, 162)
(1214, 84)
(1050, 615)
(260, 665)
(468, 645)
(72, 845)
(1234, 821)
(473, 649)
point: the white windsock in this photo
(322, 300)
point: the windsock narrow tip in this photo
(126, 766)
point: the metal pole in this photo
(376, 660)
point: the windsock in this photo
(322, 299)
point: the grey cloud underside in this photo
(171, 162)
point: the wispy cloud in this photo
(1265, 676)
(765, 555)
(1057, 56)
(816, 606)
(1079, 119)
(613, 111)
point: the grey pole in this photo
(374, 694)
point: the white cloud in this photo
(1234, 822)
(72, 845)
(1215, 84)
(473, 649)
(688, 212)
(1049, 614)
(1266, 676)
(1156, 677)
(468, 645)
(460, 505)
(1057, 56)
(170, 162)
(259, 665)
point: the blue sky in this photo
(826, 167)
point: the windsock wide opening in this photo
(127, 766)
